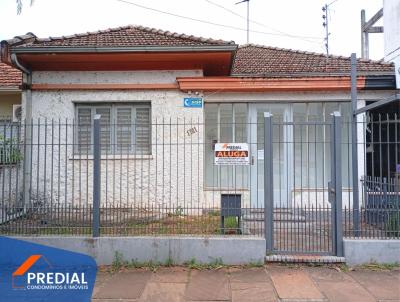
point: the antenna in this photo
(325, 23)
(248, 18)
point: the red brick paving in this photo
(274, 282)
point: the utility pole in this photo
(248, 18)
(367, 27)
(325, 24)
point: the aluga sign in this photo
(231, 154)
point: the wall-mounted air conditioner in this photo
(17, 113)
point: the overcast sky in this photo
(279, 20)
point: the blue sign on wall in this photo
(193, 102)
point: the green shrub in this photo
(9, 151)
(231, 222)
(118, 261)
(392, 225)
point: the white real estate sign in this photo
(231, 154)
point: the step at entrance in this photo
(279, 215)
(304, 259)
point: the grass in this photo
(174, 224)
(379, 266)
(119, 263)
(254, 264)
(47, 230)
(231, 222)
(193, 264)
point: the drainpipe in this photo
(27, 169)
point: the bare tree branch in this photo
(19, 6)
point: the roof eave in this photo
(67, 49)
(10, 89)
(311, 74)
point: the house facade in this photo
(167, 101)
(10, 92)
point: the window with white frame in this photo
(125, 128)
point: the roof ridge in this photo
(180, 35)
(137, 27)
(313, 53)
(21, 39)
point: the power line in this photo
(263, 25)
(199, 20)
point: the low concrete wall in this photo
(231, 250)
(361, 251)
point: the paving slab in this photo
(124, 285)
(338, 286)
(101, 279)
(248, 275)
(294, 284)
(208, 286)
(253, 292)
(114, 300)
(163, 292)
(383, 285)
(170, 275)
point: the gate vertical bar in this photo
(28, 125)
(337, 227)
(354, 146)
(96, 176)
(268, 183)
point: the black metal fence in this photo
(160, 178)
(63, 177)
(378, 143)
(380, 211)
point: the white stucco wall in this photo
(391, 23)
(171, 176)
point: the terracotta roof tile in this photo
(258, 60)
(118, 37)
(9, 77)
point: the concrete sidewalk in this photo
(270, 283)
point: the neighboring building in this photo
(391, 21)
(10, 92)
(140, 75)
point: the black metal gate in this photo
(303, 186)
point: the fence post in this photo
(28, 144)
(354, 147)
(268, 183)
(337, 184)
(96, 176)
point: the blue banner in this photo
(33, 272)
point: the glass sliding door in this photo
(225, 123)
(282, 152)
(301, 150)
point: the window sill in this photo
(113, 157)
(222, 189)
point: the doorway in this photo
(282, 152)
